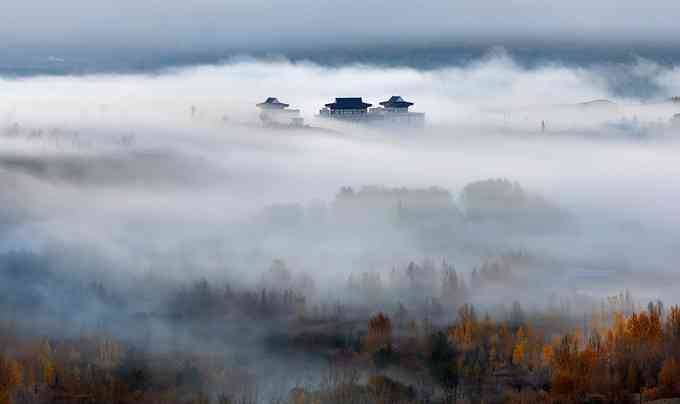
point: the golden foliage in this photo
(563, 382)
(379, 333)
(547, 355)
(669, 377)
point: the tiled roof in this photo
(396, 102)
(272, 102)
(348, 103)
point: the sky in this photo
(204, 25)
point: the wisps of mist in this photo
(128, 188)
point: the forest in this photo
(408, 337)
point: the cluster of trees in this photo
(279, 293)
(504, 201)
(417, 340)
(499, 200)
(61, 137)
(414, 284)
(491, 272)
(385, 196)
(512, 269)
(628, 358)
(104, 370)
(202, 301)
(624, 353)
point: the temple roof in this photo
(272, 102)
(348, 103)
(396, 102)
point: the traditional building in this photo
(675, 121)
(396, 104)
(276, 113)
(351, 108)
(393, 112)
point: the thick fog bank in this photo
(146, 184)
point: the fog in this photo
(149, 183)
(483, 121)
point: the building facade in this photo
(393, 112)
(350, 108)
(675, 121)
(276, 113)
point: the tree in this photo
(518, 354)
(401, 315)
(673, 322)
(443, 366)
(14, 373)
(190, 377)
(134, 372)
(452, 290)
(669, 377)
(474, 366)
(384, 356)
(475, 280)
(465, 334)
(519, 351)
(547, 356)
(379, 333)
(10, 378)
(47, 369)
(517, 315)
(563, 382)
(632, 378)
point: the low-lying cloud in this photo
(123, 167)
